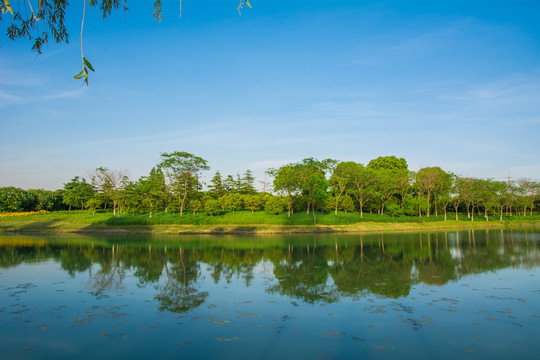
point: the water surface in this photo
(416, 295)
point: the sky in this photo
(454, 84)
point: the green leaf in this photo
(248, 4)
(8, 6)
(87, 63)
(79, 75)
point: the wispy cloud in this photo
(9, 99)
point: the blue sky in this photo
(454, 84)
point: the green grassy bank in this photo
(246, 222)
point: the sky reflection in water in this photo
(427, 295)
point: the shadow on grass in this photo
(39, 226)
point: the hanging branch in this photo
(85, 63)
(241, 5)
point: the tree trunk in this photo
(428, 205)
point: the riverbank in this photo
(59, 226)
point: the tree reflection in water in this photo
(313, 269)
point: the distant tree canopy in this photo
(384, 186)
(44, 20)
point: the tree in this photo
(390, 174)
(232, 201)
(387, 184)
(111, 183)
(45, 199)
(77, 193)
(247, 184)
(341, 180)
(312, 181)
(455, 194)
(464, 189)
(132, 199)
(216, 185)
(388, 163)
(46, 19)
(230, 185)
(362, 184)
(253, 202)
(93, 204)
(196, 205)
(152, 188)
(14, 199)
(182, 170)
(275, 205)
(432, 180)
(212, 207)
(530, 192)
(286, 181)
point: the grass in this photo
(244, 222)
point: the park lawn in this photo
(245, 222)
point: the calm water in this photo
(427, 295)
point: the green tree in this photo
(276, 205)
(530, 193)
(14, 199)
(247, 184)
(93, 204)
(232, 201)
(341, 180)
(77, 193)
(212, 207)
(132, 200)
(152, 188)
(286, 181)
(196, 205)
(230, 185)
(253, 202)
(390, 175)
(432, 181)
(216, 185)
(362, 184)
(45, 199)
(313, 183)
(464, 189)
(388, 163)
(182, 170)
(111, 183)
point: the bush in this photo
(275, 206)
(212, 207)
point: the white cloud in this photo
(9, 99)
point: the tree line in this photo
(384, 186)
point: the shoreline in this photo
(37, 227)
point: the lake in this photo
(446, 295)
